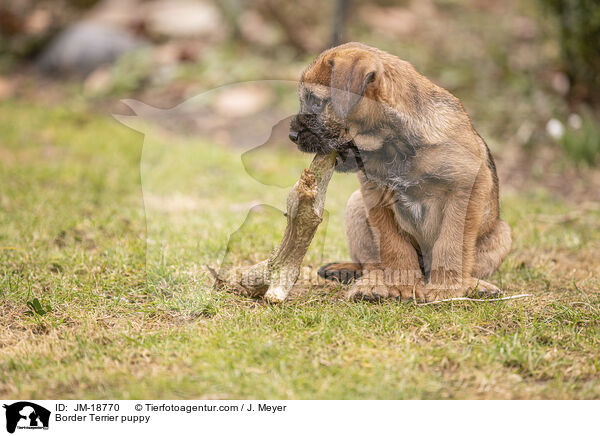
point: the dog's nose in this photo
(293, 136)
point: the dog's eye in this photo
(318, 105)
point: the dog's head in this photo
(339, 96)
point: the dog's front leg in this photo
(398, 273)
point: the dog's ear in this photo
(349, 81)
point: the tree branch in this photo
(275, 277)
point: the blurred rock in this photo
(98, 81)
(242, 101)
(125, 14)
(39, 21)
(7, 88)
(183, 18)
(255, 29)
(86, 46)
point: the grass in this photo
(582, 144)
(119, 318)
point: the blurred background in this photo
(528, 72)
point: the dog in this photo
(425, 223)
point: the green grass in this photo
(128, 320)
(582, 144)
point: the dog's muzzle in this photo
(310, 135)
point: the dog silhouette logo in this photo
(26, 415)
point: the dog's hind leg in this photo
(491, 249)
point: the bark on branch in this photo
(275, 276)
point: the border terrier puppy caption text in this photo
(425, 222)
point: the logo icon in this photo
(26, 415)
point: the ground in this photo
(114, 323)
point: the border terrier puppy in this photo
(425, 223)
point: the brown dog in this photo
(425, 223)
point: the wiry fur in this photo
(428, 204)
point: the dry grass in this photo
(72, 232)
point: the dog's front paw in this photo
(371, 287)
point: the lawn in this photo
(115, 253)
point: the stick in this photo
(510, 297)
(275, 277)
